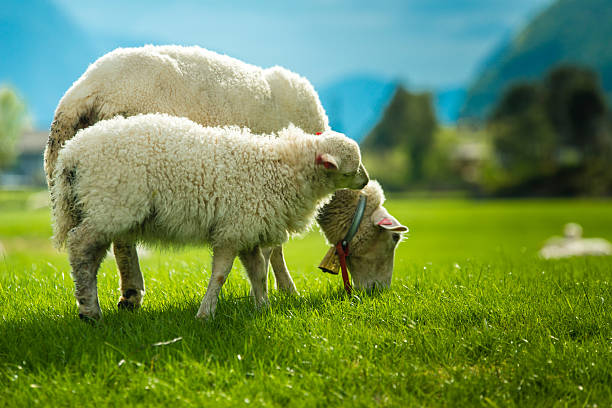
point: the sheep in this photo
(159, 178)
(572, 244)
(372, 250)
(210, 89)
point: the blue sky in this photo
(426, 43)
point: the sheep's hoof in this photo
(262, 303)
(204, 317)
(89, 319)
(205, 314)
(125, 304)
(130, 300)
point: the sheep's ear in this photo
(326, 160)
(382, 219)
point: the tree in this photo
(522, 135)
(554, 135)
(577, 108)
(13, 120)
(408, 124)
(516, 101)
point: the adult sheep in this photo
(213, 90)
(155, 178)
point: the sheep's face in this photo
(371, 261)
(340, 159)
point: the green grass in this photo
(473, 318)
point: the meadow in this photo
(473, 318)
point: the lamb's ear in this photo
(382, 219)
(327, 160)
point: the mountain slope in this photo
(354, 105)
(42, 53)
(569, 31)
(448, 102)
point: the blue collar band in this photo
(357, 217)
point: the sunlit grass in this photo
(473, 318)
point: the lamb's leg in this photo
(266, 252)
(281, 273)
(223, 258)
(254, 262)
(132, 283)
(85, 252)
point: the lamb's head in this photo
(339, 160)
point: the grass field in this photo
(473, 318)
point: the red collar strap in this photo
(336, 257)
(342, 247)
(342, 254)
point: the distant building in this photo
(467, 158)
(28, 169)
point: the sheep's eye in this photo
(348, 174)
(396, 237)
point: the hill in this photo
(447, 103)
(42, 53)
(43, 50)
(569, 31)
(355, 104)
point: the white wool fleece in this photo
(159, 177)
(206, 87)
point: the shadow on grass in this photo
(162, 331)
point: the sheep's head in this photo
(372, 250)
(339, 158)
(371, 261)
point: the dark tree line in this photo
(554, 136)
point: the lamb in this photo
(167, 179)
(208, 88)
(212, 90)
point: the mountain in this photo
(42, 53)
(569, 31)
(355, 104)
(448, 104)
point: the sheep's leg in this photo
(266, 252)
(254, 263)
(281, 273)
(132, 283)
(85, 252)
(223, 259)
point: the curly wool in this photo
(165, 178)
(335, 217)
(206, 87)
